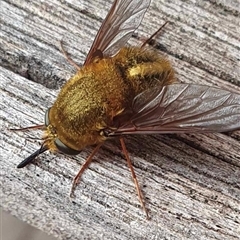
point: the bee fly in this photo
(129, 90)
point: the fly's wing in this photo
(122, 20)
(182, 108)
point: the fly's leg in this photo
(148, 41)
(83, 168)
(67, 57)
(139, 192)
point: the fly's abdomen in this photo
(144, 68)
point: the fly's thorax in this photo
(87, 104)
(75, 129)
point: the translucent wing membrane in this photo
(122, 20)
(183, 108)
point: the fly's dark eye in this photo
(59, 144)
(65, 149)
(46, 120)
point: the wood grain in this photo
(191, 183)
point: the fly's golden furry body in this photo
(100, 91)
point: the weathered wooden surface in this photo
(191, 182)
